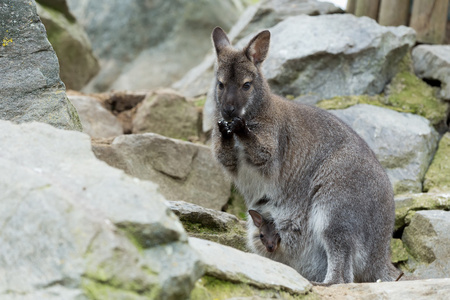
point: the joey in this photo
(267, 233)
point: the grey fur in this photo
(331, 201)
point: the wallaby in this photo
(268, 234)
(331, 200)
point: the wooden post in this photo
(394, 12)
(367, 8)
(351, 4)
(429, 19)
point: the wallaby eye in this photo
(261, 236)
(246, 86)
(220, 85)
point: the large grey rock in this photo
(328, 56)
(403, 143)
(433, 289)
(183, 170)
(71, 44)
(149, 44)
(264, 14)
(407, 205)
(433, 62)
(96, 120)
(167, 113)
(210, 224)
(75, 228)
(228, 264)
(428, 241)
(30, 86)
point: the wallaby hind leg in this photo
(339, 259)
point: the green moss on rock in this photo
(437, 178)
(398, 251)
(405, 93)
(212, 288)
(103, 291)
(405, 207)
(234, 236)
(411, 94)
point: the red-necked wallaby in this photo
(331, 201)
(268, 234)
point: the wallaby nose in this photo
(270, 248)
(229, 110)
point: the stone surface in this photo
(335, 55)
(149, 44)
(30, 86)
(72, 46)
(428, 242)
(407, 205)
(264, 14)
(210, 224)
(437, 177)
(167, 113)
(403, 143)
(405, 93)
(415, 289)
(96, 120)
(433, 62)
(231, 265)
(184, 171)
(75, 228)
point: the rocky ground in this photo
(135, 206)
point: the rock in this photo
(75, 228)
(335, 55)
(72, 46)
(167, 113)
(437, 177)
(30, 86)
(432, 62)
(327, 58)
(184, 171)
(96, 120)
(232, 273)
(403, 143)
(415, 289)
(398, 251)
(264, 14)
(407, 205)
(210, 224)
(59, 5)
(428, 243)
(405, 93)
(134, 57)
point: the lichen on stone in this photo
(211, 288)
(405, 93)
(437, 178)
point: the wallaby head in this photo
(267, 232)
(240, 86)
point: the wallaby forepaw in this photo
(225, 129)
(238, 125)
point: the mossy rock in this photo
(437, 178)
(212, 288)
(406, 206)
(405, 93)
(398, 251)
(410, 94)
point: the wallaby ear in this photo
(257, 49)
(257, 218)
(220, 39)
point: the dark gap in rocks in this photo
(398, 233)
(432, 82)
